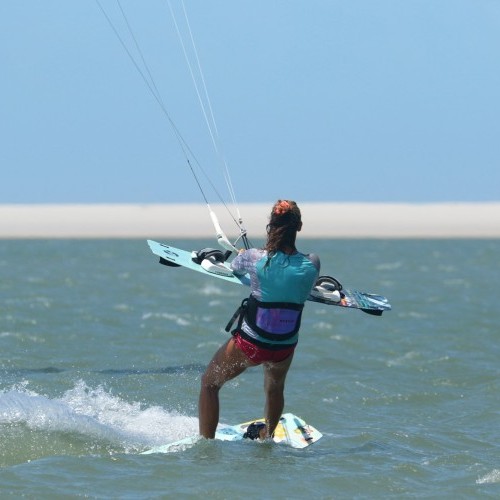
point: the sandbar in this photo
(321, 220)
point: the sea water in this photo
(103, 350)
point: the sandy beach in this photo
(321, 220)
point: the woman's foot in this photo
(256, 430)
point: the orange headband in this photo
(282, 207)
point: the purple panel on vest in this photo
(276, 320)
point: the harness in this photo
(273, 321)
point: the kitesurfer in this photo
(269, 320)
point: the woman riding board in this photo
(267, 332)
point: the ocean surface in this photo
(102, 350)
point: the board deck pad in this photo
(291, 431)
(367, 302)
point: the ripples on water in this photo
(103, 350)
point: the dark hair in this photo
(284, 222)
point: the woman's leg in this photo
(228, 362)
(274, 387)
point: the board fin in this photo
(373, 312)
(166, 262)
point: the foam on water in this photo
(211, 289)
(176, 318)
(492, 477)
(93, 414)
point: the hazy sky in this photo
(352, 100)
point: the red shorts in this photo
(259, 355)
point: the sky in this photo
(317, 100)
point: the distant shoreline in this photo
(321, 220)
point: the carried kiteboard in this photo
(290, 431)
(325, 291)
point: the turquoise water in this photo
(103, 349)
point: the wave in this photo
(83, 420)
(492, 477)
